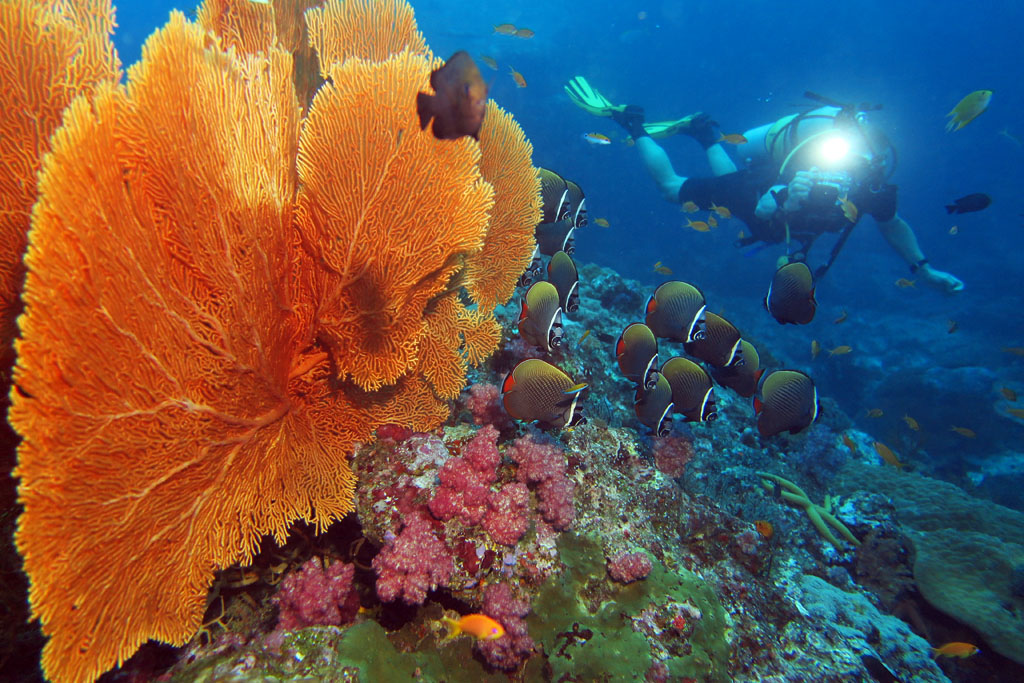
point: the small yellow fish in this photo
(721, 211)
(904, 282)
(505, 29)
(597, 139)
(953, 327)
(518, 78)
(912, 423)
(875, 412)
(963, 431)
(690, 207)
(740, 235)
(1015, 350)
(524, 33)
(480, 626)
(815, 348)
(733, 139)
(712, 221)
(489, 61)
(849, 209)
(1016, 412)
(1009, 393)
(968, 109)
(699, 226)
(961, 650)
(887, 455)
(848, 442)
(954, 230)
(603, 222)
(841, 319)
(663, 270)
(840, 350)
(765, 528)
(582, 337)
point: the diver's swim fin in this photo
(589, 99)
(697, 125)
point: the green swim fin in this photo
(588, 99)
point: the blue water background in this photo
(748, 63)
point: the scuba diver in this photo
(808, 173)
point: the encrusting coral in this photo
(820, 515)
(203, 343)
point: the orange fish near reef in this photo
(887, 455)
(961, 650)
(733, 139)
(505, 29)
(491, 62)
(699, 226)
(964, 432)
(480, 626)
(840, 350)
(765, 528)
(517, 77)
(690, 207)
(459, 100)
(524, 33)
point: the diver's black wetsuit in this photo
(740, 192)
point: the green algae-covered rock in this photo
(967, 575)
(585, 621)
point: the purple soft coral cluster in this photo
(412, 564)
(484, 403)
(466, 480)
(544, 466)
(509, 651)
(315, 596)
(630, 567)
(508, 515)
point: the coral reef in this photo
(630, 567)
(317, 596)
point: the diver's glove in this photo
(588, 99)
(941, 280)
(631, 118)
(799, 190)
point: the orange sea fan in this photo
(438, 350)
(481, 334)
(370, 29)
(161, 437)
(49, 53)
(387, 209)
(491, 274)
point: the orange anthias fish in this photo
(961, 650)
(517, 77)
(712, 221)
(733, 139)
(840, 350)
(815, 348)
(662, 270)
(848, 442)
(887, 455)
(603, 222)
(765, 528)
(721, 211)
(875, 412)
(459, 101)
(690, 207)
(505, 29)
(842, 318)
(480, 626)
(489, 61)
(953, 327)
(699, 226)
(849, 209)
(904, 282)
(964, 431)
(1008, 393)
(1016, 412)
(524, 33)
(912, 423)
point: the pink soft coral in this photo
(544, 465)
(466, 480)
(512, 649)
(508, 515)
(314, 596)
(412, 564)
(630, 567)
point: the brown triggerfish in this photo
(742, 378)
(969, 203)
(459, 100)
(676, 311)
(537, 391)
(692, 389)
(719, 345)
(791, 295)
(654, 407)
(787, 400)
(563, 275)
(540, 320)
(637, 353)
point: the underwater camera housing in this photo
(827, 190)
